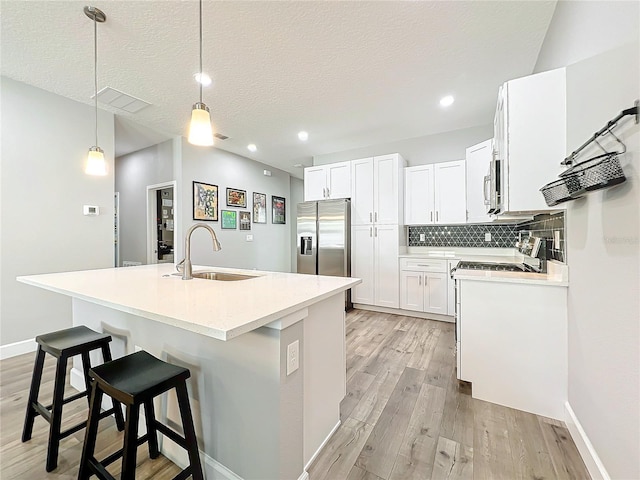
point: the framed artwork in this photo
(229, 219)
(236, 198)
(245, 220)
(278, 211)
(259, 207)
(205, 202)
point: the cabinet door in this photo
(435, 293)
(478, 159)
(387, 270)
(411, 291)
(339, 180)
(387, 190)
(362, 263)
(315, 182)
(362, 191)
(450, 192)
(418, 205)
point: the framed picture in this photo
(245, 220)
(278, 212)
(259, 207)
(236, 198)
(205, 202)
(229, 219)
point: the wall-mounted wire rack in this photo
(598, 172)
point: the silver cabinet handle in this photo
(487, 185)
(375, 231)
(376, 216)
(431, 216)
(436, 215)
(328, 193)
(371, 231)
(324, 192)
(370, 216)
(420, 280)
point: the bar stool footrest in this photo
(184, 474)
(116, 455)
(171, 434)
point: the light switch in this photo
(249, 238)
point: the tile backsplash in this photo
(502, 236)
(544, 225)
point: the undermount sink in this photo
(224, 277)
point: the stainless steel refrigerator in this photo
(324, 239)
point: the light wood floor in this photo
(404, 417)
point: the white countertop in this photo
(219, 309)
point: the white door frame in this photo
(152, 232)
(116, 228)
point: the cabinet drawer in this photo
(423, 264)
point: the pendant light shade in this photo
(200, 130)
(95, 164)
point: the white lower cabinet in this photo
(423, 285)
(374, 254)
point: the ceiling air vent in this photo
(220, 136)
(123, 101)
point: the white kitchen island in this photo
(252, 419)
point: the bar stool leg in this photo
(152, 431)
(117, 408)
(91, 433)
(33, 395)
(189, 431)
(56, 414)
(130, 443)
(86, 365)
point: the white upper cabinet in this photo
(419, 200)
(450, 192)
(436, 193)
(377, 190)
(325, 182)
(530, 138)
(478, 159)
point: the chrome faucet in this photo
(186, 262)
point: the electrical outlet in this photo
(422, 237)
(249, 238)
(487, 236)
(293, 357)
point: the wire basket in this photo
(561, 190)
(597, 172)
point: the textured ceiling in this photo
(350, 73)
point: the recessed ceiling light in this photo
(202, 78)
(251, 147)
(446, 101)
(304, 136)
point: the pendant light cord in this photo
(200, 82)
(95, 70)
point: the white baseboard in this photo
(317, 452)
(213, 470)
(18, 348)
(406, 313)
(585, 447)
(304, 476)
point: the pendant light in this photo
(96, 164)
(200, 130)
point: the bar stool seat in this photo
(136, 380)
(64, 344)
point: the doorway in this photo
(162, 222)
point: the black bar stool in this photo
(136, 380)
(63, 345)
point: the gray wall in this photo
(441, 147)
(134, 172)
(602, 235)
(582, 29)
(297, 196)
(271, 246)
(45, 139)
